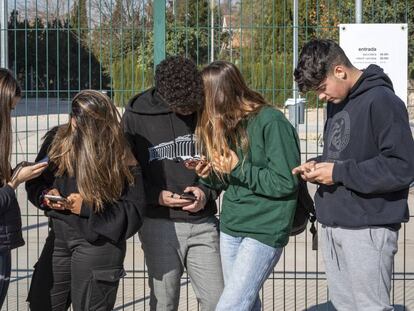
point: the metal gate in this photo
(57, 48)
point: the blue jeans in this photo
(246, 263)
(5, 267)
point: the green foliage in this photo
(132, 77)
(131, 68)
(186, 32)
(63, 54)
(78, 16)
(267, 27)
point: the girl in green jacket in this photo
(250, 150)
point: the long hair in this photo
(10, 91)
(228, 102)
(92, 148)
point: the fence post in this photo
(212, 31)
(296, 104)
(358, 11)
(159, 31)
(4, 63)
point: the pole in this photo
(4, 62)
(159, 31)
(358, 11)
(295, 56)
(212, 31)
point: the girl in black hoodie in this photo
(10, 222)
(92, 168)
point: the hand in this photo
(304, 168)
(171, 199)
(26, 173)
(322, 174)
(225, 164)
(74, 204)
(55, 205)
(203, 168)
(198, 204)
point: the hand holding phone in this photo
(55, 198)
(25, 171)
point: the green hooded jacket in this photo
(260, 193)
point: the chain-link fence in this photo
(56, 48)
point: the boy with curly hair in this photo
(363, 174)
(177, 232)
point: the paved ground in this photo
(298, 282)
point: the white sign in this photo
(385, 45)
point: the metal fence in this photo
(57, 48)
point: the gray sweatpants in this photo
(358, 265)
(169, 247)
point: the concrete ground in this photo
(298, 282)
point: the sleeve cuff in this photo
(337, 172)
(237, 175)
(153, 197)
(9, 190)
(42, 204)
(236, 170)
(85, 210)
(205, 189)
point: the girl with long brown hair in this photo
(10, 221)
(93, 171)
(250, 149)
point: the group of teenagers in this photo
(159, 169)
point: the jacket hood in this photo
(371, 77)
(149, 103)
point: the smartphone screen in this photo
(188, 196)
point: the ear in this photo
(340, 72)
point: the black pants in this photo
(70, 269)
(5, 267)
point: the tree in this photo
(49, 57)
(79, 16)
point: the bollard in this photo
(296, 110)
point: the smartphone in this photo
(192, 162)
(45, 159)
(27, 163)
(188, 196)
(22, 164)
(55, 198)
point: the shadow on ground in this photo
(328, 306)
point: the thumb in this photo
(189, 189)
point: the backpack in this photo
(305, 211)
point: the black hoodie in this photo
(369, 138)
(161, 140)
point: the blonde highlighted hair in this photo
(228, 102)
(92, 148)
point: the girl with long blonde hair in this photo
(250, 150)
(98, 194)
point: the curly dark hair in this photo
(316, 60)
(178, 81)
